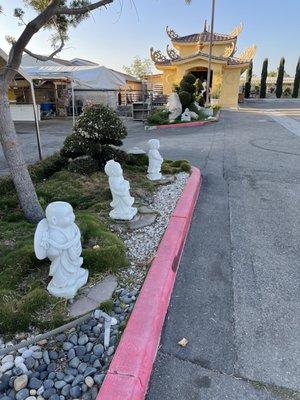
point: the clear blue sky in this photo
(114, 36)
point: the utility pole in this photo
(210, 50)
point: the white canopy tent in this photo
(85, 77)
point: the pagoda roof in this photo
(174, 58)
(205, 36)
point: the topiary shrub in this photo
(111, 153)
(185, 98)
(190, 78)
(97, 126)
(187, 87)
(187, 90)
(84, 165)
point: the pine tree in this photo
(263, 80)
(248, 80)
(280, 76)
(296, 80)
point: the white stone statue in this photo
(193, 115)
(186, 117)
(122, 201)
(58, 238)
(174, 106)
(155, 160)
(197, 105)
(209, 112)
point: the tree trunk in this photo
(16, 163)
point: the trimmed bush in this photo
(185, 98)
(190, 78)
(101, 125)
(97, 127)
(187, 87)
(84, 165)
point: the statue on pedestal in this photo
(155, 160)
(58, 238)
(120, 189)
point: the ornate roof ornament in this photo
(172, 53)
(157, 56)
(171, 33)
(248, 54)
(229, 51)
(237, 30)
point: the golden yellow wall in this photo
(230, 87)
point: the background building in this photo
(191, 54)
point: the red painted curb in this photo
(131, 366)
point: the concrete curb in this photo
(131, 366)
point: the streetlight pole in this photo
(210, 50)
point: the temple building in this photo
(191, 54)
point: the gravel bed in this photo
(72, 365)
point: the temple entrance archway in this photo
(201, 73)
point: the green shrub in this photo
(190, 78)
(173, 167)
(111, 153)
(101, 125)
(158, 117)
(185, 98)
(185, 167)
(137, 160)
(98, 126)
(84, 165)
(187, 87)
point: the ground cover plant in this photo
(24, 300)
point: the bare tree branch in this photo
(46, 58)
(82, 10)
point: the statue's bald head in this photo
(60, 213)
